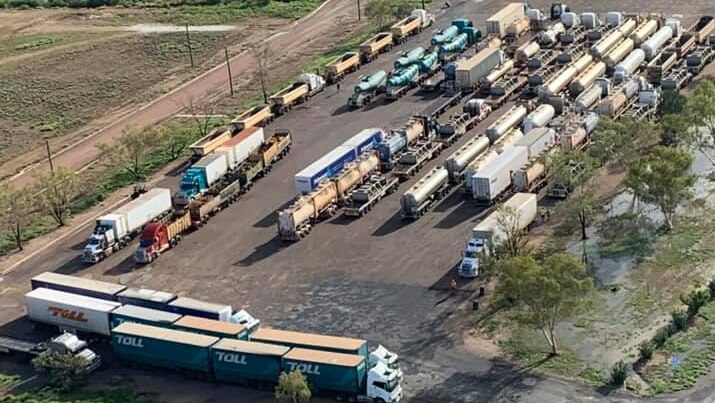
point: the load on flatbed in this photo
(371, 48)
(304, 87)
(417, 21)
(338, 68)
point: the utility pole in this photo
(359, 14)
(188, 44)
(49, 155)
(423, 5)
(228, 66)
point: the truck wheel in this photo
(378, 400)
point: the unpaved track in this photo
(209, 84)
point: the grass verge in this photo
(46, 395)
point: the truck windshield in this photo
(144, 243)
(471, 253)
(93, 241)
(391, 384)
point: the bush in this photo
(619, 373)
(64, 370)
(695, 300)
(662, 335)
(646, 349)
(680, 320)
(711, 287)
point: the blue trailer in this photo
(334, 372)
(246, 362)
(146, 298)
(146, 316)
(326, 167)
(365, 140)
(389, 149)
(77, 285)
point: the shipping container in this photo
(330, 371)
(146, 316)
(327, 166)
(335, 344)
(244, 361)
(498, 23)
(212, 167)
(70, 311)
(365, 140)
(471, 71)
(77, 285)
(211, 327)
(145, 297)
(161, 347)
(243, 144)
(194, 307)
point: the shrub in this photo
(680, 320)
(711, 287)
(619, 373)
(662, 335)
(646, 349)
(695, 300)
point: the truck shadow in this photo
(379, 102)
(23, 328)
(72, 266)
(341, 110)
(393, 224)
(454, 198)
(466, 211)
(270, 219)
(79, 245)
(179, 169)
(342, 219)
(127, 265)
(263, 251)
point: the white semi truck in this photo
(487, 234)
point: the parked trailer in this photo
(586, 78)
(659, 66)
(494, 179)
(655, 42)
(260, 162)
(70, 311)
(338, 68)
(327, 166)
(644, 30)
(371, 48)
(599, 50)
(531, 178)
(458, 161)
(367, 89)
(305, 87)
(145, 297)
(415, 157)
(498, 23)
(77, 285)
(334, 344)
(526, 51)
(194, 307)
(361, 200)
(158, 237)
(144, 316)
(474, 167)
(502, 91)
(551, 35)
(703, 29)
(588, 98)
(509, 119)
(471, 71)
(684, 44)
(207, 144)
(412, 25)
(425, 193)
(259, 115)
(619, 100)
(539, 117)
(618, 52)
(629, 65)
(211, 327)
(537, 140)
(245, 362)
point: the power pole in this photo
(423, 5)
(228, 66)
(359, 14)
(49, 155)
(188, 44)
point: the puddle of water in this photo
(167, 28)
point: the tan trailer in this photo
(276, 147)
(371, 48)
(179, 226)
(207, 144)
(341, 66)
(405, 27)
(289, 96)
(257, 116)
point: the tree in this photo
(64, 370)
(700, 110)
(292, 388)
(382, 12)
(132, 148)
(262, 55)
(620, 141)
(675, 130)
(575, 170)
(548, 292)
(176, 139)
(672, 103)
(662, 178)
(514, 240)
(55, 190)
(202, 116)
(16, 210)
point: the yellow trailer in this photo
(405, 27)
(257, 116)
(289, 96)
(344, 64)
(207, 144)
(371, 48)
(276, 147)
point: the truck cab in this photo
(104, 240)
(68, 343)
(153, 241)
(192, 184)
(469, 266)
(383, 384)
(389, 359)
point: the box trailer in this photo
(498, 23)
(244, 362)
(243, 144)
(211, 327)
(471, 71)
(70, 311)
(146, 316)
(326, 167)
(147, 207)
(194, 307)
(335, 344)
(365, 140)
(537, 140)
(77, 285)
(145, 297)
(161, 347)
(494, 178)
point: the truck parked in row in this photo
(371, 48)
(210, 142)
(417, 21)
(425, 193)
(367, 89)
(415, 157)
(338, 68)
(393, 145)
(65, 343)
(259, 115)
(410, 71)
(304, 87)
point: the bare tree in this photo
(132, 148)
(55, 190)
(202, 115)
(262, 55)
(16, 210)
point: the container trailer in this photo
(415, 157)
(242, 145)
(327, 166)
(425, 193)
(509, 119)
(145, 316)
(474, 167)
(68, 311)
(115, 230)
(487, 235)
(211, 327)
(531, 178)
(367, 89)
(247, 363)
(194, 307)
(78, 285)
(417, 21)
(498, 23)
(259, 115)
(471, 71)
(335, 344)
(305, 87)
(365, 140)
(539, 117)
(157, 237)
(338, 68)
(207, 144)
(371, 48)
(537, 140)
(145, 297)
(493, 180)
(365, 197)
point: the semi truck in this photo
(415, 157)
(371, 48)
(458, 161)
(425, 193)
(487, 235)
(158, 237)
(367, 89)
(65, 343)
(207, 144)
(361, 200)
(304, 87)
(493, 180)
(392, 147)
(338, 68)
(498, 23)
(471, 71)
(115, 230)
(417, 21)
(259, 115)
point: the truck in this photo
(658, 67)
(78, 285)
(115, 230)
(64, 343)
(530, 178)
(338, 68)
(505, 122)
(471, 71)
(371, 48)
(414, 158)
(493, 180)
(417, 21)
(201, 309)
(367, 89)
(158, 237)
(259, 115)
(261, 161)
(487, 235)
(364, 198)
(425, 193)
(498, 23)
(395, 144)
(304, 87)
(325, 167)
(402, 80)
(458, 161)
(456, 125)
(207, 144)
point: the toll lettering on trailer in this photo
(239, 359)
(304, 368)
(130, 341)
(67, 314)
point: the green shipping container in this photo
(162, 347)
(335, 344)
(211, 327)
(145, 316)
(329, 371)
(244, 361)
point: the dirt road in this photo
(210, 84)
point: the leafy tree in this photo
(647, 348)
(619, 373)
(132, 148)
(382, 12)
(546, 292)
(620, 141)
(514, 240)
(55, 190)
(679, 319)
(64, 370)
(662, 178)
(672, 103)
(700, 109)
(292, 388)
(695, 300)
(675, 130)
(16, 210)
(576, 171)
(176, 139)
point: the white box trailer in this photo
(473, 70)
(494, 178)
(149, 206)
(70, 311)
(78, 285)
(537, 140)
(239, 147)
(488, 229)
(214, 167)
(498, 23)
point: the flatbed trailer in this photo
(415, 157)
(364, 198)
(8, 344)
(507, 87)
(214, 200)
